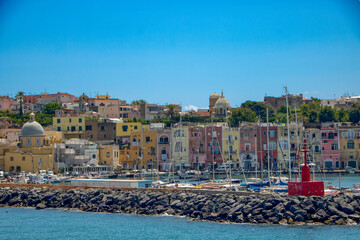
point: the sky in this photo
(181, 51)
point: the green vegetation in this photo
(138, 102)
(45, 118)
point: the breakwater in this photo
(221, 207)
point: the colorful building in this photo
(264, 148)
(73, 127)
(231, 145)
(164, 149)
(213, 143)
(35, 151)
(330, 148)
(180, 147)
(109, 155)
(313, 139)
(349, 146)
(248, 147)
(197, 154)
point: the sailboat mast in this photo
(261, 159)
(288, 130)
(180, 147)
(297, 136)
(268, 147)
(212, 144)
(228, 141)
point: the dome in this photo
(214, 95)
(32, 128)
(222, 103)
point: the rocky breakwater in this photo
(221, 207)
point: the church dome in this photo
(32, 128)
(214, 95)
(222, 103)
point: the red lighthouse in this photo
(306, 187)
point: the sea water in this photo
(28, 223)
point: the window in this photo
(317, 149)
(80, 128)
(28, 142)
(358, 134)
(88, 127)
(350, 134)
(164, 140)
(351, 155)
(23, 158)
(135, 127)
(80, 120)
(102, 128)
(350, 144)
(323, 134)
(247, 147)
(272, 133)
(272, 145)
(107, 154)
(69, 119)
(73, 128)
(334, 146)
(124, 128)
(331, 135)
(11, 158)
(59, 128)
(284, 144)
(38, 142)
(58, 120)
(178, 147)
(343, 134)
(68, 128)
(147, 139)
(94, 156)
(18, 168)
(313, 135)
(245, 134)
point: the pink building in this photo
(6, 102)
(213, 145)
(248, 147)
(330, 148)
(197, 155)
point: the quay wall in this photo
(340, 209)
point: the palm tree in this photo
(20, 99)
(170, 111)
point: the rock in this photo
(283, 221)
(322, 214)
(267, 206)
(301, 212)
(290, 220)
(299, 218)
(347, 208)
(40, 206)
(293, 209)
(340, 221)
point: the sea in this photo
(29, 223)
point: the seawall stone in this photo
(212, 206)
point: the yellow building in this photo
(142, 151)
(231, 144)
(108, 155)
(72, 126)
(34, 152)
(180, 147)
(125, 129)
(350, 147)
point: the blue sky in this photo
(181, 51)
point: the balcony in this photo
(163, 142)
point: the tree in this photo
(354, 114)
(326, 114)
(260, 110)
(242, 115)
(342, 115)
(50, 108)
(170, 111)
(138, 102)
(20, 96)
